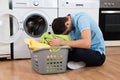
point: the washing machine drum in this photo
(35, 25)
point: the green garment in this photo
(47, 36)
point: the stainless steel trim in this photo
(110, 12)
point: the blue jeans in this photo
(90, 57)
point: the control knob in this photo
(36, 3)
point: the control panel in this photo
(109, 3)
(34, 3)
(78, 4)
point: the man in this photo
(87, 42)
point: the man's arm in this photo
(85, 42)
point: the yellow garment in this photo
(33, 44)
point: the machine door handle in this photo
(109, 12)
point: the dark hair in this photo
(58, 25)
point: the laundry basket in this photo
(46, 62)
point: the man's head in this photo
(62, 25)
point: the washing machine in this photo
(91, 7)
(29, 19)
(4, 30)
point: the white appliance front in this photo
(4, 30)
(6, 38)
(20, 48)
(35, 17)
(73, 6)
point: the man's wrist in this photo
(64, 43)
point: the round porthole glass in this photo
(35, 25)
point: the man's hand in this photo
(55, 42)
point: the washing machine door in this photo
(6, 27)
(35, 25)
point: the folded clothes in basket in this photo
(47, 36)
(44, 40)
(34, 45)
